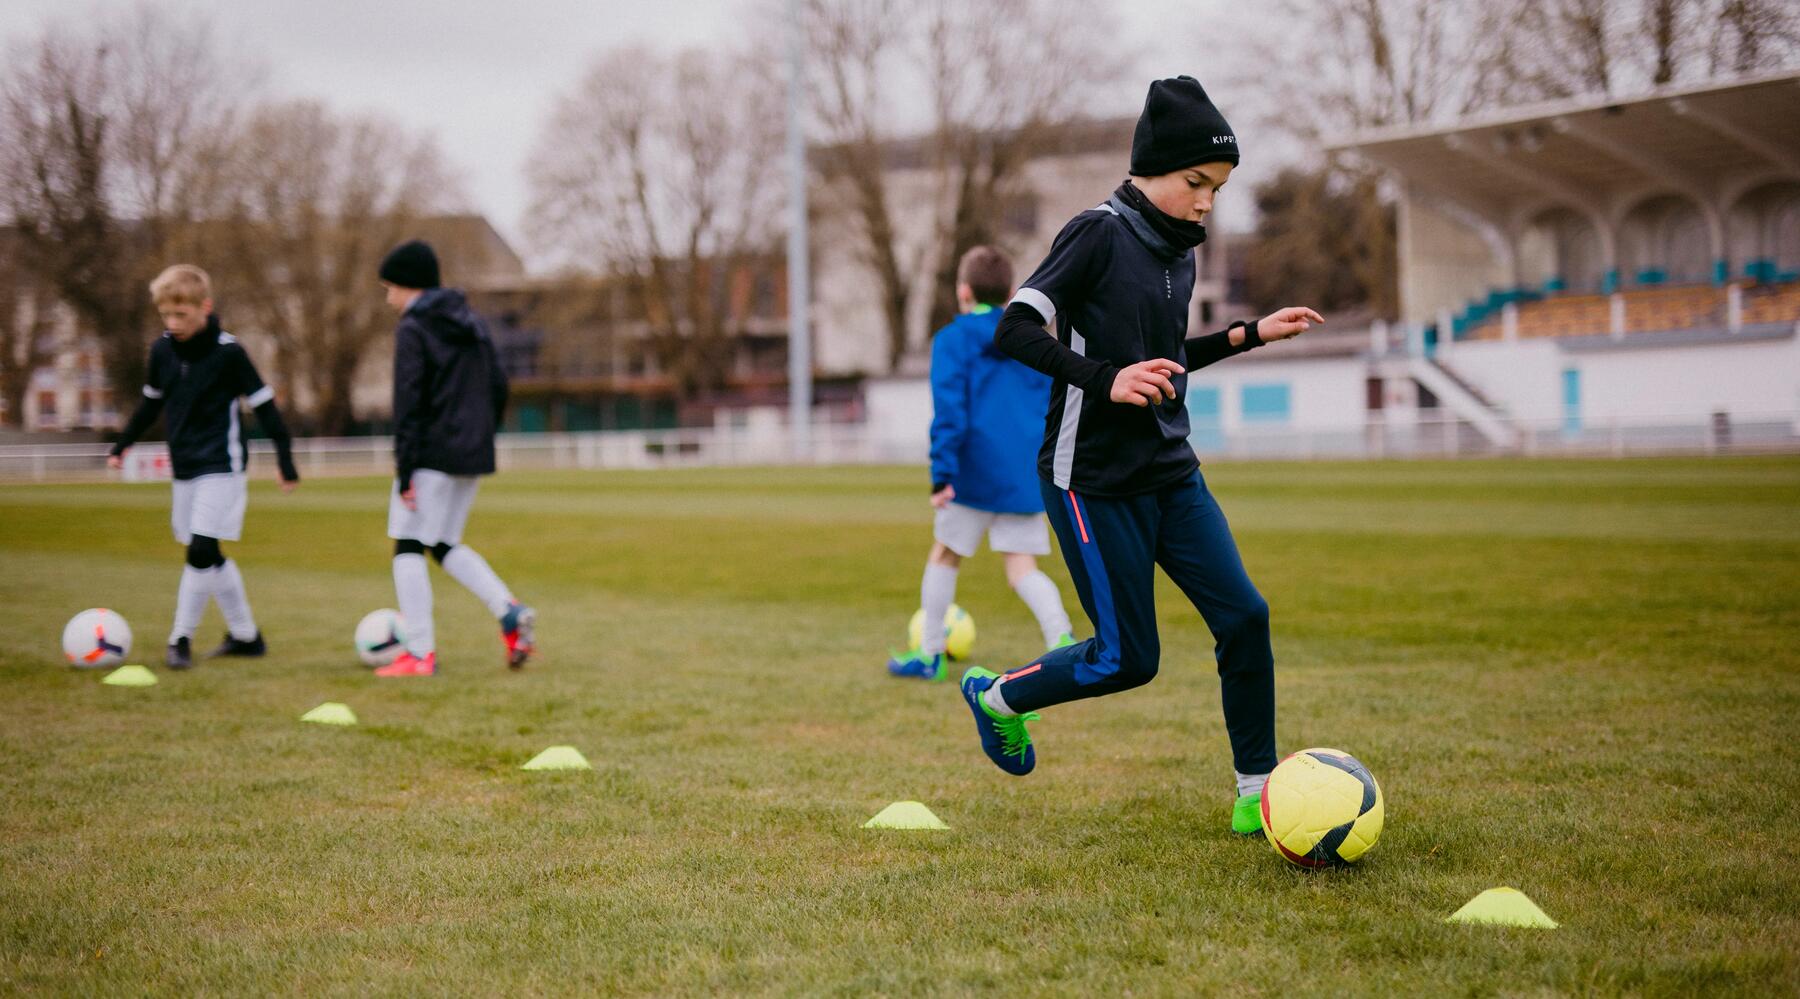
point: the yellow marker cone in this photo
(131, 676)
(558, 758)
(1503, 907)
(330, 713)
(905, 815)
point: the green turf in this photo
(1577, 679)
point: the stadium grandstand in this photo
(1617, 272)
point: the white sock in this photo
(1250, 783)
(993, 699)
(234, 603)
(190, 600)
(412, 586)
(467, 567)
(1039, 593)
(936, 592)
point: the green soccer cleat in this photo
(1063, 642)
(918, 665)
(1246, 815)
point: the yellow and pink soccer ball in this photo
(1322, 807)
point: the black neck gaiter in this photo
(1165, 234)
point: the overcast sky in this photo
(483, 81)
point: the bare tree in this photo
(851, 42)
(315, 199)
(661, 170)
(1324, 236)
(1753, 35)
(110, 132)
(990, 105)
(25, 328)
(992, 111)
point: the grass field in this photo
(1578, 679)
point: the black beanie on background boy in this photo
(1179, 128)
(412, 264)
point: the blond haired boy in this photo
(196, 377)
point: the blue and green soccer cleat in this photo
(1003, 737)
(918, 665)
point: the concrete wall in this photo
(1323, 393)
(1637, 384)
(1444, 262)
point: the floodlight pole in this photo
(798, 258)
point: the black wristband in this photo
(1251, 337)
(938, 487)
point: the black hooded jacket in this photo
(449, 391)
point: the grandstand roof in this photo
(1583, 151)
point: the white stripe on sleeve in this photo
(1039, 301)
(260, 396)
(152, 393)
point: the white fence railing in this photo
(851, 444)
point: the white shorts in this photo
(211, 506)
(443, 503)
(959, 528)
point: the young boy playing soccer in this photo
(449, 394)
(987, 416)
(196, 376)
(1120, 481)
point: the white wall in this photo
(899, 414)
(1524, 378)
(1323, 393)
(1751, 378)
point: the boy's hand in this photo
(942, 497)
(115, 461)
(409, 498)
(1284, 323)
(1146, 383)
(289, 485)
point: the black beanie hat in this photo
(412, 264)
(1179, 128)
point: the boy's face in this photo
(399, 298)
(1187, 193)
(184, 319)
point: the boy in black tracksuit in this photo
(197, 375)
(449, 395)
(1121, 484)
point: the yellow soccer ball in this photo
(1321, 807)
(959, 631)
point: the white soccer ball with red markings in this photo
(96, 638)
(380, 636)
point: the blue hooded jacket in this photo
(987, 418)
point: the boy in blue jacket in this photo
(987, 418)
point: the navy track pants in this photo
(1112, 547)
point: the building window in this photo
(1266, 403)
(1204, 410)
